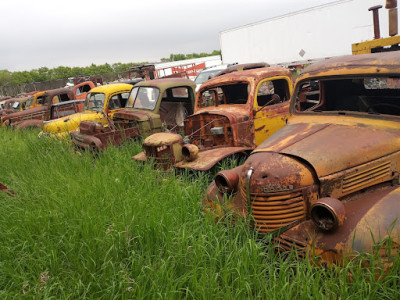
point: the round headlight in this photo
(190, 152)
(227, 181)
(328, 213)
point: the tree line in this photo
(176, 57)
(47, 74)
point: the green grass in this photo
(112, 228)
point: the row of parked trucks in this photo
(323, 154)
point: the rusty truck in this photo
(153, 106)
(234, 112)
(53, 104)
(327, 183)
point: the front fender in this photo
(371, 218)
(209, 158)
(219, 204)
(33, 123)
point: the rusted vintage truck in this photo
(234, 113)
(101, 103)
(328, 182)
(153, 106)
(48, 109)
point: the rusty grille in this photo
(272, 211)
(366, 178)
(161, 155)
(284, 243)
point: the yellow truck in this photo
(101, 103)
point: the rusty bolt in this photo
(375, 15)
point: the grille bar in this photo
(366, 178)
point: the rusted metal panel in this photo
(207, 159)
(328, 182)
(229, 114)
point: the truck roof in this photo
(247, 75)
(164, 83)
(375, 63)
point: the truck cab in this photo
(100, 104)
(153, 106)
(327, 183)
(233, 114)
(34, 117)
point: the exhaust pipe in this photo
(391, 5)
(375, 15)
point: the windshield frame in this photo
(294, 111)
(134, 103)
(94, 108)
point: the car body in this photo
(100, 104)
(233, 114)
(327, 183)
(34, 117)
(13, 105)
(173, 99)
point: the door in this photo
(271, 106)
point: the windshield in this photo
(95, 101)
(372, 95)
(224, 95)
(15, 105)
(29, 102)
(143, 97)
(205, 75)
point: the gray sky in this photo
(46, 33)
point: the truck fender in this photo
(209, 158)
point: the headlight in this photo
(328, 213)
(227, 181)
(190, 152)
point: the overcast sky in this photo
(72, 33)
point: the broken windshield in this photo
(224, 95)
(372, 95)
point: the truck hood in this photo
(71, 122)
(220, 126)
(331, 148)
(138, 115)
(233, 113)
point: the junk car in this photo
(233, 114)
(153, 106)
(328, 182)
(34, 117)
(100, 104)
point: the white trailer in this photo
(297, 38)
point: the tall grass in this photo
(111, 228)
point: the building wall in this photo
(323, 31)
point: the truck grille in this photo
(366, 178)
(160, 155)
(284, 243)
(272, 211)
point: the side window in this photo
(115, 102)
(180, 92)
(124, 99)
(84, 89)
(272, 92)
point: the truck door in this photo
(271, 106)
